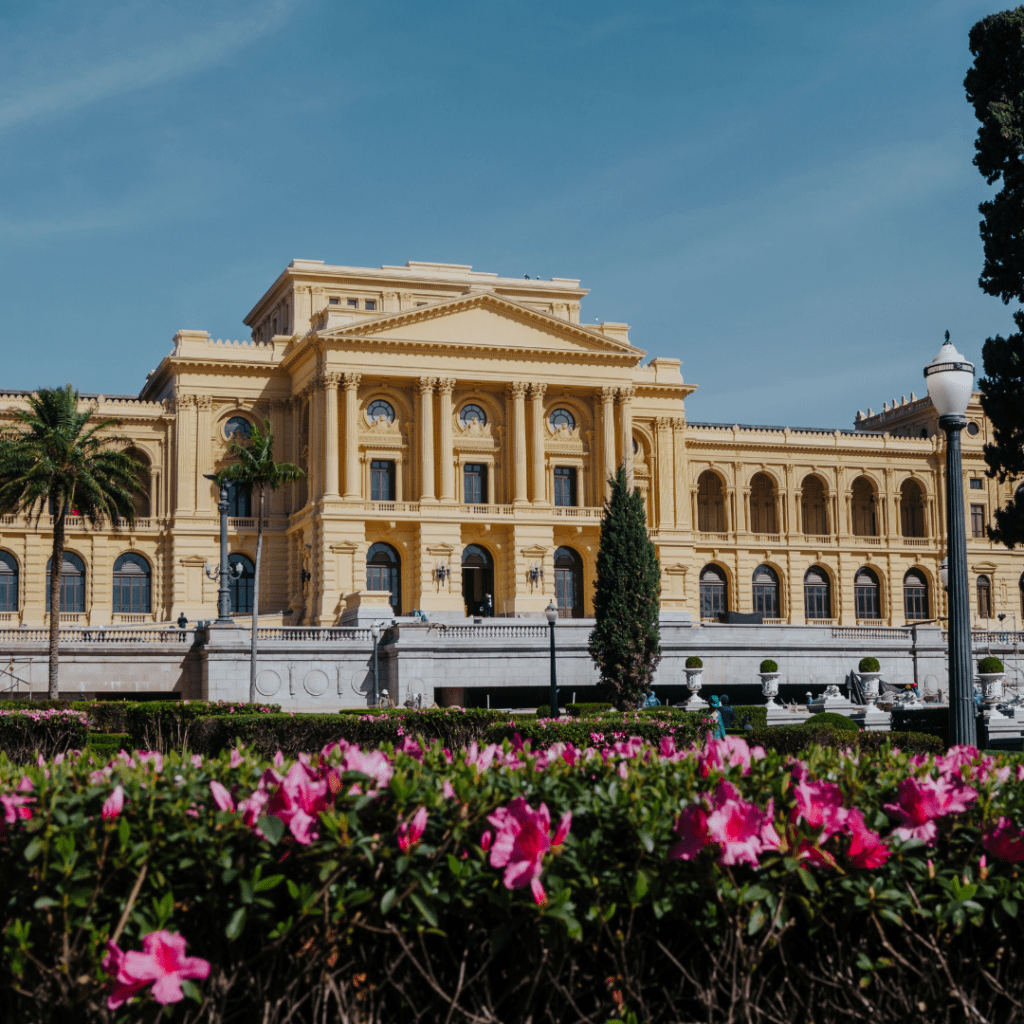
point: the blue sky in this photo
(779, 194)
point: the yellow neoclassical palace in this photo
(457, 430)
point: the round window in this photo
(237, 425)
(470, 413)
(973, 429)
(378, 409)
(561, 418)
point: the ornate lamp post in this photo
(950, 381)
(551, 614)
(375, 633)
(223, 572)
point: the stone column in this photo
(185, 443)
(517, 393)
(446, 450)
(537, 454)
(204, 455)
(298, 412)
(427, 492)
(315, 457)
(665, 466)
(608, 437)
(626, 427)
(352, 435)
(328, 384)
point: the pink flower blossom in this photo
(221, 797)
(236, 757)
(743, 831)
(1005, 840)
(197, 760)
(411, 748)
(447, 790)
(522, 837)
(163, 965)
(733, 751)
(297, 801)
(114, 803)
(278, 759)
(692, 828)
(921, 801)
(410, 833)
(153, 757)
(486, 839)
(15, 808)
(370, 762)
(867, 850)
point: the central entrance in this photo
(477, 580)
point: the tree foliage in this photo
(60, 460)
(254, 465)
(625, 643)
(995, 87)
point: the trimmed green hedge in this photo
(25, 734)
(586, 710)
(837, 721)
(792, 739)
(755, 715)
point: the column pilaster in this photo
(204, 460)
(352, 491)
(537, 455)
(608, 437)
(626, 426)
(328, 385)
(446, 450)
(184, 442)
(426, 389)
(665, 472)
(517, 394)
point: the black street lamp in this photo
(551, 614)
(223, 572)
(375, 633)
(950, 381)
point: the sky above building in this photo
(779, 194)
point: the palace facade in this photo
(457, 430)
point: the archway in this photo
(243, 588)
(762, 504)
(384, 572)
(812, 507)
(710, 503)
(477, 580)
(568, 584)
(911, 509)
(862, 507)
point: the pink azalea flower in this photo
(236, 757)
(163, 965)
(371, 762)
(410, 833)
(486, 839)
(522, 837)
(692, 828)
(114, 803)
(153, 757)
(733, 751)
(1005, 840)
(447, 790)
(866, 847)
(921, 801)
(197, 761)
(298, 801)
(740, 828)
(278, 759)
(221, 797)
(411, 747)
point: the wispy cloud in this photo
(138, 65)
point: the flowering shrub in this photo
(669, 881)
(24, 732)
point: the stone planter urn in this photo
(992, 686)
(694, 681)
(770, 685)
(869, 686)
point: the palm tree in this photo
(60, 462)
(256, 467)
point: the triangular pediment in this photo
(482, 321)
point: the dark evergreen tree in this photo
(995, 86)
(625, 643)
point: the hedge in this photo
(654, 885)
(585, 710)
(834, 719)
(794, 739)
(755, 715)
(26, 733)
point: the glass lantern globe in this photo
(551, 612)
(950, 380)
(944, 573)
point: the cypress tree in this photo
(625, 643)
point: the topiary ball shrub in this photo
(694, 662)
(990, 665)
(868, 665)
(769, 666)
(831, 718)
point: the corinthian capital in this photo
(626, 394)
(330, 379)
(445, 385)
(426, 385)
(537, 391)
(517, 389)
(204, 401)
(184, 401)
(608, 395)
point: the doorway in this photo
(477, 580)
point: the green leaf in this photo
(425, 909)
(45, 901)
(34, 849)
(1009, 906)
(293, 889)
(272, 828)
(388, 899)
(191, 990)
(809, 881)
(646, 840)
(236, 924)
(758, 919)
(640, 886)
(268, 883)
(755, 892)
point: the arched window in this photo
(710, 504)
(384, 572)
(915, 595)
(568, 584)
(865, 594)
(140, 499)
(239, 500)
(471, 412)
(477, 580)
(8, 582)
(862, 506)
(237, 429)
(714, 593)
(72, 583)
(243, 588)
(762, 504)
(380, 408)
(561, 418)
(984, 597)
(766, 591)
(911, 509)
(132, 577)
(817, 594)
(812, 507)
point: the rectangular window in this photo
(371, 303)
(866, 600)
(984, 602)
(975, 483)
(816, 603)
(475, 481)
(977, 520)
(712, 601)
(565, 486)
(382, 480)
(352, 303)
(915, 602)
(334, 301)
